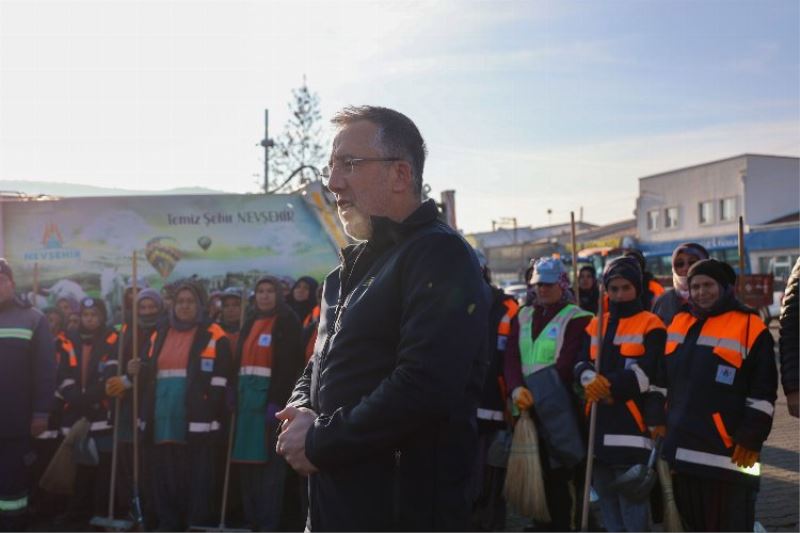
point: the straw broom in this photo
(59, 477)
(672, 519)
(524, 486)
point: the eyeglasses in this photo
(348, 164)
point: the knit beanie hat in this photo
(625, 267)
(95, 303)
(151, 294)
(719, 271)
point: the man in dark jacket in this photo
(789, 345)
(383, 418)
(27, 384)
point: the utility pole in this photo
(267, 143)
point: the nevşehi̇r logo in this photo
(52, 246)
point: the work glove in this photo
(116, 386)
(658, 431)
(523, 398)
(744, 457)
(597, 389)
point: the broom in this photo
(672, 519)
(524, 486)
(59, 477)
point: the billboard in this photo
(221, 238)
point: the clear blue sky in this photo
(525, 105)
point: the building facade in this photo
(702, 203)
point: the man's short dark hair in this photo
(397, 135)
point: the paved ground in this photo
(778, 506)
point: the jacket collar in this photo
(386, 233)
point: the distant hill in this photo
(71, 189)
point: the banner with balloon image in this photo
(83, 246)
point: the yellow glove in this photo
(597, 389)
(744, 457)
(658, 431)
(115, 387)
(523, 398)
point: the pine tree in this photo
(301, 142)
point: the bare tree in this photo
(300, 145)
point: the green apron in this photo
(170, 411)
(250, 445)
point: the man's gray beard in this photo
(357, 225)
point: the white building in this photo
(702, 203)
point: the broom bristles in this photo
(524, 486)
(672, 518)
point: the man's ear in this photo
(403, 179)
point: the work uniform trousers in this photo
(15, 459)
(489, 505)
(91, 490)
(184, 478)
(712, 505)
(42, 502)
(262, 488)
(619, 513)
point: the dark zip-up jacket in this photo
(89, 399)
(207, 374)
(396, 379)
(722, 381)
(27, 368)
(790, 332)
(630, 360)
(493, 400)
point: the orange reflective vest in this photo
(630, 334)
(730, 335)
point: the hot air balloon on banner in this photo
(204, 242)
(163, 254)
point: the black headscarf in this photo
(588, 297)
(302, 309)
(279, 303)
(199, 317)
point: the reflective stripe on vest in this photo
(504, 327)
(630, 441)
(152, 344)
(544, 351)
(630, 333)
(252, 370)
(490, 414)
(16, 333)
(68, 347)
(717, 461)
(7, 506)
(203, 427)
(730, 335)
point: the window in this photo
(727, 209)
(652, 220)
(671, 217)
(706, 212)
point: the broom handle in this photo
(575, 285)
(587, 482)
(135, 355)
(35, 282)
(115, 442)
(740, 249)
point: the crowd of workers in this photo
(203, 358)
(200, 359)
(396, 396)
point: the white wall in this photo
(685, 189)
(772, 188)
